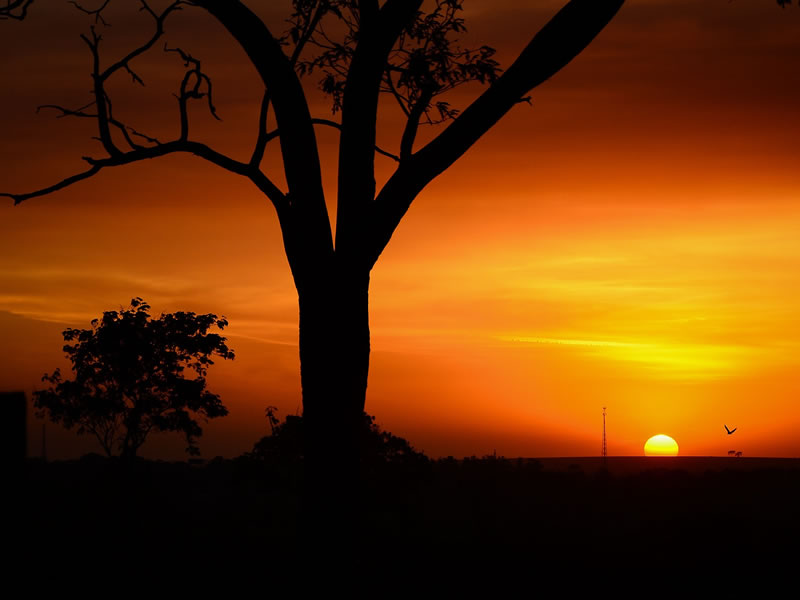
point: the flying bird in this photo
(730, 431)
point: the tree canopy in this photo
(130, 377)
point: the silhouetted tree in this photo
(129, 378)
(361, 49)
(271, 418)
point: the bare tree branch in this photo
(159, 31)
(299, 211)
(101, 99)
(97, 13)
(308, 238)
(287, 97)
(191, 85)
(125, 130)
(15, 9)
(105, 138)
(263, 135)
(145, 137)
(188, 91)
(201, 150)
(66, 112)
(55, 187)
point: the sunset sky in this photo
(629, 240)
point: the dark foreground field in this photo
(522, 518)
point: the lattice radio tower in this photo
(605, 446)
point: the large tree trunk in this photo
(334, 362)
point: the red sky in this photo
(629, 240)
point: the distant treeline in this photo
(417, 515)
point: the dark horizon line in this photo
(465, 457)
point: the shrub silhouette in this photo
(286, 444)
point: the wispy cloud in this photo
(660, 359)
(569, 342)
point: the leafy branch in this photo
(426, 60)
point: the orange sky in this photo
(630, 240)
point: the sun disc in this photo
(661, 445)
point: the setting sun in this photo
(661, 445)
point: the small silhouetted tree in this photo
(130, 378)
(269, 412)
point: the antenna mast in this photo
(605, 446)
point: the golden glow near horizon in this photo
(661, 445)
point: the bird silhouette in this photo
(730, 431)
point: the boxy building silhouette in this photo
(14, 429)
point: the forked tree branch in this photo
(365, 221)
(302, 211)
(269, 136)
(298, 145)
(190, 91)
(102, 101)
(277, 197)
(195, 85)
(378, 30)
(157, 34)
(552, 48)
(263, 135)
(306, 226)
(412, 124)
(97, 12)
(15, 9)
(100, 94)
(67, 112)
(304, 36)
(125, 130)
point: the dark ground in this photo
(554, 520)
